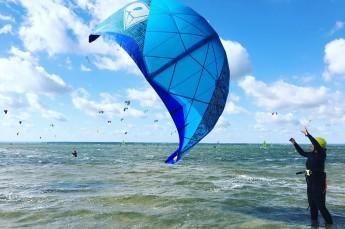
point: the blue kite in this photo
(182, 58)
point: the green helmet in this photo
(322, 142)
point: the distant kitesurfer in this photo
(315, 177)
(75, 153)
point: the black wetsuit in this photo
(316, 182)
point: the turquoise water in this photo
(116, 186)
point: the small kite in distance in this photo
(5, 111)
(128, 103)
(125, 109)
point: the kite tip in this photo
(93, 37)
(174, 158)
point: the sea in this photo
(129, 186)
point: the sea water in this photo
(129, 186)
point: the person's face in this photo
(311, 147)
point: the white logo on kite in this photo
(135, 13)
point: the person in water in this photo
(75, 153)
(315, 177)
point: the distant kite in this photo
(181, 57)
(5, 111)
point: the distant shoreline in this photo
(150, 143)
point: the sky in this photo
(286, 56)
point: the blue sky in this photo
(286, 56)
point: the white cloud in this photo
(12, 101)
(239, 60)
(44, 111)
(334, 111)
(6, 18)
(305, 106)
(83, 68)
(222, 124)
(121, 61)
(339, 25)
(22, 86)
(335, 59)
(46, 27)
(29, 77)
(6, 29)
(55, 28)
(108, 104)
(263, 118)
(232, 108)
(101, 9)
(283, 96)
(146, 97)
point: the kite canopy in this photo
(182, 58)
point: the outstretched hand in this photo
(305, 131)
(292, 140)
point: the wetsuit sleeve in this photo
(315, 144)
(300, 150)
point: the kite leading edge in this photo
(182, 58)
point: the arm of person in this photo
(298, 148)
(313, 141)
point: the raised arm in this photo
(313, 141)
(315, 144)
(298, 148)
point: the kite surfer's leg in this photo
(321, 205)
(312, 206)
(317, 200)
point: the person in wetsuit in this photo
(75, 153)
(315, 177)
